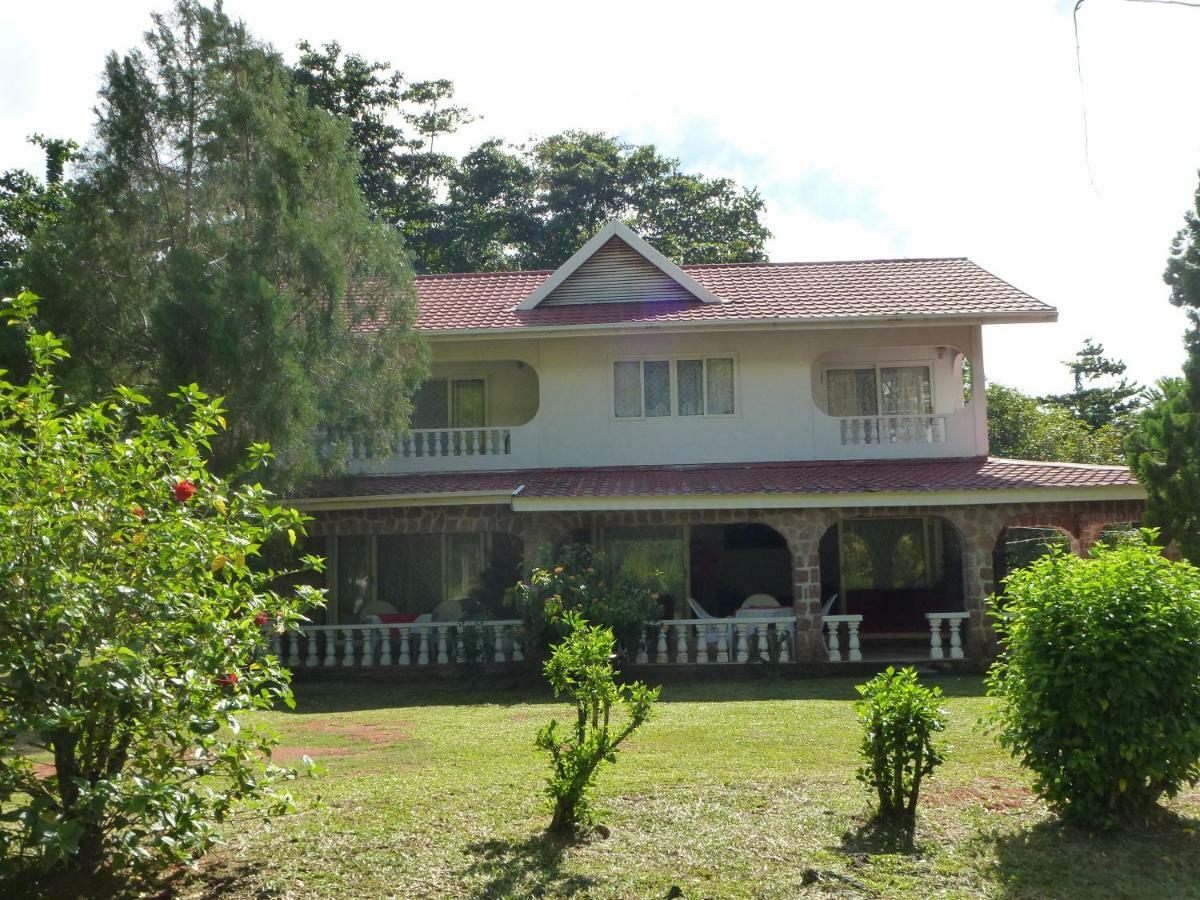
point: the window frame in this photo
(928, 364)
(673, 360)
(450, 380)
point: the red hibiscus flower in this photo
(184, 491)
(139, 512)
(261, 619)
(228, 680)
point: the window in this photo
(879, 390)
(682, 387)
(450, 403)
(645, 551)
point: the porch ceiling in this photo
(813, 483)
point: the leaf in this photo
(291, 533)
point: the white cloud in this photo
(874, 129)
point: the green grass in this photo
(734, 789)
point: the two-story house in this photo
(812, 435)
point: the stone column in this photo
(979, 528)
(803, 530)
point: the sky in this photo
(872, 129)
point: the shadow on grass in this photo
(1054, 859)
(532, 867)
(332, 692)
(878, 836)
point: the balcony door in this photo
(450, 403)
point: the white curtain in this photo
(906, 391)
(720, 387)
(689, 376)
(851, 392)
(627, 388)
(658, 388)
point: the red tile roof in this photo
(818, 477)
(750, 291)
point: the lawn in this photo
(735, 789)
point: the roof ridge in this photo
(757, 264)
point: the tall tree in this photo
(504, 206)
(1102, 394)
(1023, 427)
(1164, 448)
(27, 204)
(395, 125)
(214, 236)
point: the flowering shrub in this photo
(581, 667)
(572, 579)
(133, 605)
(1099, 682)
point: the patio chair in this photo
(760, 601)
(712, 633)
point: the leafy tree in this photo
(27, 204)
(1022, 427)
(214, 236)
(901, 719)
(394, 127)
(1099, 681)
(134, 614)
(581, 667)
(1094, 400)
(532, 206)
(1164, 448)
(1164, 453)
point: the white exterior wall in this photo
(778, 398)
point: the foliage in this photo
(213, 235)
(27, 204)
(505, 206)
(572, 579)
(1164, 453)
(581, 667)
(134, 614)
(1164, 450)
(1100, 679)
(1022, 427)
(394, 124)
(1093, 401)
(901, 719)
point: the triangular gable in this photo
(617, 266)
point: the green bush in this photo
(573, 578)
(581, 667)
(901, 719)
(1099, 682)
(135, 611)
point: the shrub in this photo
(1100, 679)
(901, 719)
(581, 667)
(134, 614)
(573, 578)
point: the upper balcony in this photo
(471, 415)
(893, 402)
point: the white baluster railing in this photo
(954, 621)
(833, 645)
(718, 641)
(455, 442)
(399, 644)
(893, 430)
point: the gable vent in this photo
(616, 273)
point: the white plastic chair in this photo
(759, 601)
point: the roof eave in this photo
(1012, 317)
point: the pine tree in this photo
(217, 234)
(1102, 395)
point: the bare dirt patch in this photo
(43, 770)
(370, 732)
(286, 754)
(993, 794)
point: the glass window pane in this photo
(720, 387)
(410, 571)
(851, 392)
(646, 550)
(429, 405)
(883, 554)
(353, 576)
(627, 389)
(906, 391)
(469, 404)
(464, 564)
(689, 376)
(658, 388)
